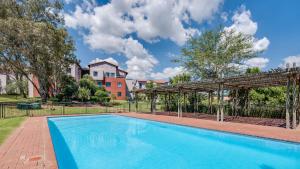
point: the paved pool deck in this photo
(30, 146)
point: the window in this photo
(100, 84)
(119, 84)
(95, 73)
(140, 85)
(109, 74)
(69, 70)
(119, 94)
(108, 84)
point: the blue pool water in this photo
(116, 142)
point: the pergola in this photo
(289, 77)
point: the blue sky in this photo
(141, 42)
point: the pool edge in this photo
(217, 130)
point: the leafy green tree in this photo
(102, 96)
(268, 96)
(150, 85)
(84, 94)
(68, 87)
(253, 70)
(17, 86)
(216, 52)
(182, 78)
(88, 82)
(33, 41)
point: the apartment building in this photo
(105, 74)
(5, 80)
(111, 77)
(74, 70)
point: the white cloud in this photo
(168, 73)
(109, 27)
(261, 44)
(257, 62)
(243, 23)
(109, 60)
(291, 60)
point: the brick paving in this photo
(30, 147)
(240, 128)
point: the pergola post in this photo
(136, 102)
(154, 102)
(287, 106)
(195, 102)
(169, 96)
(222, 103)
(179, 104)
(184, 102)
(294, 108)
(248, 109)
(151, 103)
(209, 102)
(298, 99)
(218, 109)
(166, 102)
(236, 102)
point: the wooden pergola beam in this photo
(279, 77)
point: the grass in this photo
(8, 125)
(15, 98)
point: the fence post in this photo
(129, 107)
(1, 111)
(85, 108)
(63, 110)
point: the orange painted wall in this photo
(114, 89)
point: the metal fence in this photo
(263, 114)
(8, 110)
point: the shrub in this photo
(69, 88)
(102, 96)
(88, 83)
(84, 94)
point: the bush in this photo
(88, 83)
(12, 89)
(69, 88)
(102, 96)
(84, 94)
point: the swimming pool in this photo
(117, 142)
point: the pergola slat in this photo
(279, 77)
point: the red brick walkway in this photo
(29, 147)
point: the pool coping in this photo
(176, 121)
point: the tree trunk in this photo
(43, 90)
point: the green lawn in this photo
(15, 98)
(8, 125)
